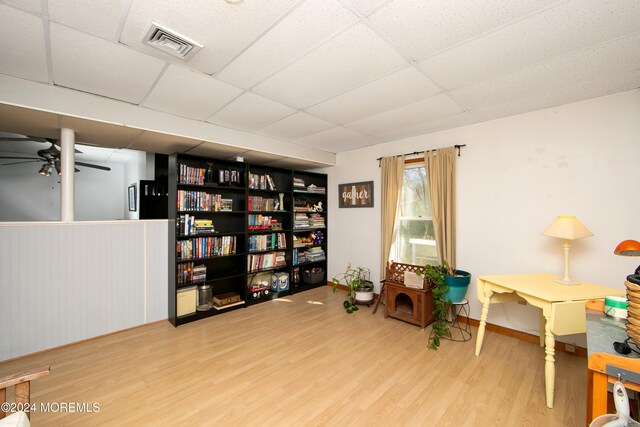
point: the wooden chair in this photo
(22, 383)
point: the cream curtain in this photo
(441, 176)
(392, 176)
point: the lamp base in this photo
(567, 282)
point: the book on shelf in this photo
(206, 247)
(225, 306)
(226, 298)
(199, 273)
(261, 182)
(266, 242)
(199, 201)
(191, 175)
(266, 261)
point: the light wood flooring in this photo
(298, 361)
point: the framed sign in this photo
(356, 195)
(132, 198)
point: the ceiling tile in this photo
(29, 5)
(394, 90)
(154, 142)
(98, 133)
(573, 91)
(337, 139)
(94, 65)
(365, 7)
(252, 156)
(211, 149)
(224, 29)
(296, 34)
(296, 126)
(353, 57)
(100, 18)
(408, 115)
(23, 47)
(189, 93)
(593, 63)
(550, 33)
(446, 122)
(25, 121)
(422, 28)
(251, 112)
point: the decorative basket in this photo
(633, 311)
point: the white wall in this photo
(65, 282)
(134, 170)
(514, 177)
(27, 196)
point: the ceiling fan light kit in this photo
(50, 156)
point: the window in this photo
(414, 241)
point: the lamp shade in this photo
(567, 227)
(628, 248)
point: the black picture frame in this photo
(132, 198)
(355, 195)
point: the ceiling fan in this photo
(49, 156)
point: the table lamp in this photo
(568, 228)
(630, 248)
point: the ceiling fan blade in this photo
(89, 165)
(22, 158)
(24, 161)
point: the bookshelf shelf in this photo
(200, 190)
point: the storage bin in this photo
(313, 276)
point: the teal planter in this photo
(457, 286)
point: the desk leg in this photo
(542, 328)
(597, 394)
(549, 366)
(483, 319)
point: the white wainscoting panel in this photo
(65, 282)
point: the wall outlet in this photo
(570, 348)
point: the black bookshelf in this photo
(252, 206)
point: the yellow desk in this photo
(562, 309)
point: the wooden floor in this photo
(303, 361)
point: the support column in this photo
(67, 175)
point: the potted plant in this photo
(447, 285)
(434, 279)
(359, 287)
(458, 281)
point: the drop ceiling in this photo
(330, 74)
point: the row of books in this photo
(201, 201)
(316, 221)
(265, 204)
(263, 222)
(190, 175)
(206, 247)
(316, 189)
(190, 225)
(267, 261)
(188, 273)
(301, 220)
(261, 182)
(265, 242)
(313, 254)
(298, 184)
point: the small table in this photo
(562, 309)
(408, 304)
(604, 363)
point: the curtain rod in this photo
(458, 146)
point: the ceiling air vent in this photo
(171, 42)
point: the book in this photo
(226, 298)
(222, 307)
